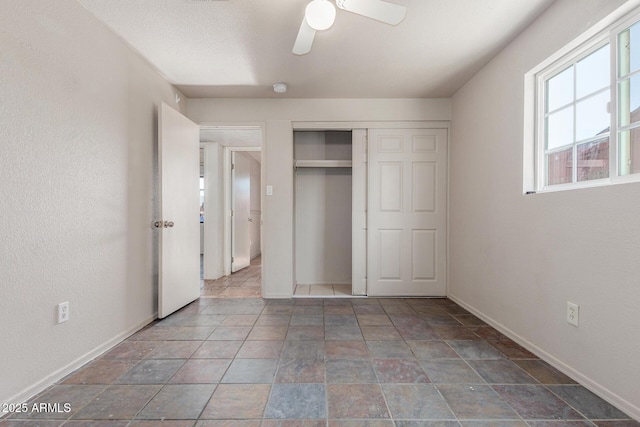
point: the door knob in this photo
(168, 224)
(157, 224)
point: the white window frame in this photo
(558, 63)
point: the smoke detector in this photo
(280, 87)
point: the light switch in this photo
(269, 190)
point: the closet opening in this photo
(323, 203)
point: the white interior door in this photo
(241, 215)
(179, 225)
(407, 212)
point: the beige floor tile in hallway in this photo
(246, 283)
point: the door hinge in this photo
(231, 212)
(232, 259)
(233, 166)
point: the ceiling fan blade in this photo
(304, 40)
(379, 10)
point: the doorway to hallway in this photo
(245, 283)
(231, 239)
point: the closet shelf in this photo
(322, 163)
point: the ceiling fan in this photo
(320, 14)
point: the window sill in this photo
(587, 184)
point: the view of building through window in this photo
(578, 120)
(578, 126)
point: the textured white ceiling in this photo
(239, 48)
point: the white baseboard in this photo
(277, 296)
(603, 392)
(56, 376)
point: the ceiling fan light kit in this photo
(320, 14)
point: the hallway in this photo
(319, 362)
(246, 283)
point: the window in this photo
(588, 116)
(577, 120)
(628, 81)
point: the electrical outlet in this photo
(63, 311)
(573, 313)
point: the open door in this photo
(241, 215)
(179, 224)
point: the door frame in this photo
(227, 197)
(223, 224)
(436, 124)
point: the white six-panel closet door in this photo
(407, 212)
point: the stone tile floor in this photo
(320, 362)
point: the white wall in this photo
(77, 169)
(277, 117)
(516, 260)
(213, 211)
(255, 205)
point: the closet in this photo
(323, 212)
(371, 211)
